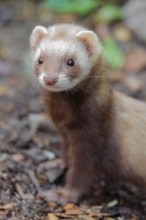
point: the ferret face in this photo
(62, 61)
(60, 65)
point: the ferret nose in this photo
(50, 80)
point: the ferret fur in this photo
(104, 131)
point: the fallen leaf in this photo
(17, 157)
(51, 216)
(52, 205)
(96, 211)
(112, 203)
(64, 215)
(69, 206)
(74, 211)
(58, 162)
(49, 154)
(6, 206)
(43, 179)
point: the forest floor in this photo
(27, 141)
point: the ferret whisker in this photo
(80, 88)
(35, 84)
(29, 68)
(31, 78)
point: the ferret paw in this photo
(60, 196)
(68, 195)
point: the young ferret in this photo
(104, 131)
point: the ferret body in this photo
(103, 130)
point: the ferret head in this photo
(63, 55)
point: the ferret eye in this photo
(40, 60)
(70, 62)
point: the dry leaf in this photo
(51, 216)
(69, 206)
(65, 216)
(6, 206)
(112, 203)
(96, 211)
(17, 157)
(52, 205)
(43, 179)
(74, 211)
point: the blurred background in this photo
(120, 25)
(26, 140)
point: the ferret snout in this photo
(50, 80)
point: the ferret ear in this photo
(91, 42)
(37, 34)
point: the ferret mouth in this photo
(52, 88)
(60, 85)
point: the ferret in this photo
(103, 131)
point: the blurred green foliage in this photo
(105, 12)
(79, 7)
(109, 13)
(112, 53)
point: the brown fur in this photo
(103, 131)
(84, 117)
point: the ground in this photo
(28, 142)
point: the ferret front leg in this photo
(80, 177)
(81, 174)
(65, 153)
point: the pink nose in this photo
(50, 80)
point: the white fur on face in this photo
(56, 52)
(63, 83)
